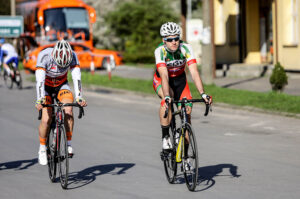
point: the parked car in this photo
(85, 54)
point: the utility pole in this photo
(208, 54)
(183, 19)
(13, 7)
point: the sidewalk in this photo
(259, 84)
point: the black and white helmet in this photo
(169, 28)
(62, 53)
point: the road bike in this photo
(10, 79)
(184, 151)
(57, 149)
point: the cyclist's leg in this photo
(7, 60)
(45, 121)
(43, 130)
(15, 64)
(164, 122)
(65, 96)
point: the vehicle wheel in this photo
(51, 154)
(104, 63)
(192, 155)
(63, 158)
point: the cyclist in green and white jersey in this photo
(171, 57)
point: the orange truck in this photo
(46, 21)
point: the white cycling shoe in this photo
(167, 143)
(70, 151)
(43, 156)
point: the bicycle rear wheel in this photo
(7, 80)
(63, 158)
(51, 155)
(170, 164)
(191, 174)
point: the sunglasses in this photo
(170, 39)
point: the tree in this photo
(5, 7)
(137, 23)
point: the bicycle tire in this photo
(170, 164)
(63, 158)
(191, 176)
(51, 155)
(7, 80)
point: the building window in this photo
(290, 23)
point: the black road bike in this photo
(184, 151)
(9, 79)
(57, 149)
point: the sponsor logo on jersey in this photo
(176, 63)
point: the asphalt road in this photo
(242, 154)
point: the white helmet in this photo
(62, 53)
(169, 28)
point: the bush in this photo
(278, 78)
(137, 23)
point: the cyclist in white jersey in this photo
(8, 55)
(51, 73)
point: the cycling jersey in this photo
(50, 74)
(174, 61)
(9, 55)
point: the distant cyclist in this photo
(8, 55)
(51, 73)
(171, 57)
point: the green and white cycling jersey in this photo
(174, 61)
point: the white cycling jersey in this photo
(50, 74)
(9, 51)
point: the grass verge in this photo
(267, 101)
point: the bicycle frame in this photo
(183, 116)
(184, 120)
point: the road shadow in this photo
(207, 174)
(88, 175)
(18, 165)
(262, 74)
(27, 88)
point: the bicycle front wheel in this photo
(170, 164)
(7, 80)
(63, 158)
(190, 164)
(51, 155)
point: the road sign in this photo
(11, 26)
